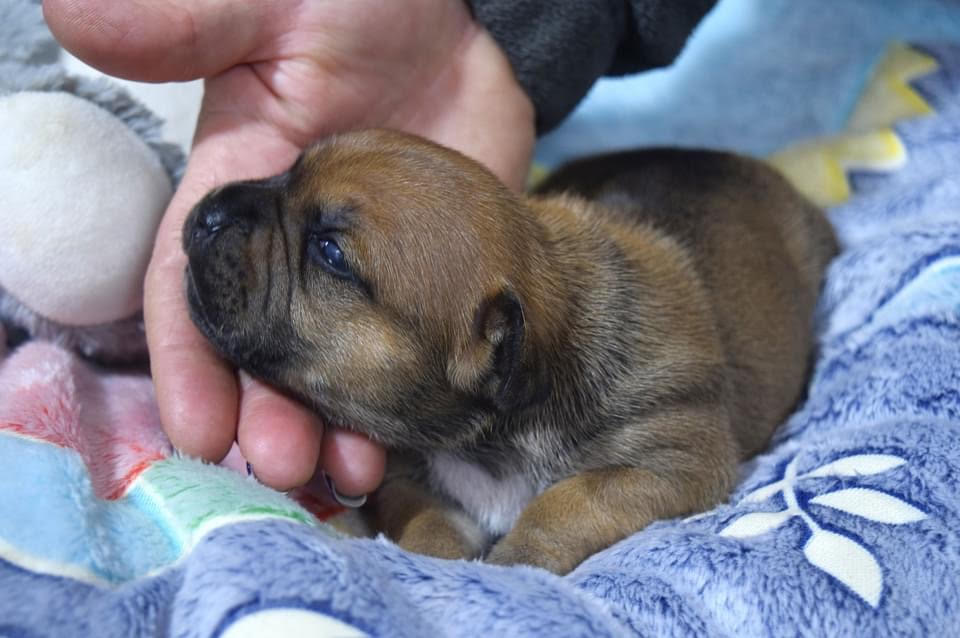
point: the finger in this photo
(196, 391)
(278, 437)
(355, 463)
(163, 40)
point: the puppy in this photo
(550, 373)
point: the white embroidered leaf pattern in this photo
(763, 493)
(871, 504)
(859, 465)
(755, 523)
(847, 561)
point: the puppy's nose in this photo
(209, 221)
(236, 205)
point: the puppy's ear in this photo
(514, 374)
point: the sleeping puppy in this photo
(550, 373)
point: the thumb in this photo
(163, 40)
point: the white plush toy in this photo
(83, 184)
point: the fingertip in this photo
(162, 41)
(197, 400)
(354, 462)
(68, 20)
(106, 35)
(279, 437)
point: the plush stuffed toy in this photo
(84, 180)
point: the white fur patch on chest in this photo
(494, 503)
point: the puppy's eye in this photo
(326, 252)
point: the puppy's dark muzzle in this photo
(216, 239)
(238, 207)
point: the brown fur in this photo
(608, 349)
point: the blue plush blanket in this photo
(848, 525)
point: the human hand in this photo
(279, 75)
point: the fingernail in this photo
(353, 502)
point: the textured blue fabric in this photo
(848, 526)
(755, 76)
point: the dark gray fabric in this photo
(558, 48)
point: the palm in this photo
(348, 70)
(347, 65)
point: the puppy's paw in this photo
(443, 534)
(528, 549)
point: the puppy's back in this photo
(757, 245)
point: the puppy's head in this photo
(384, 280)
